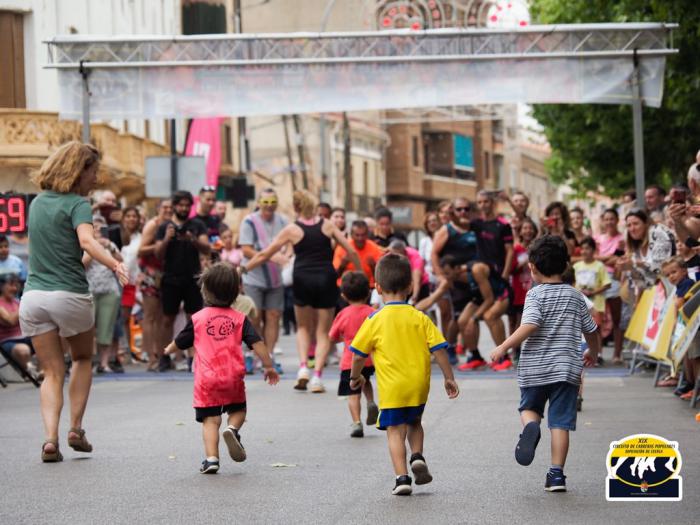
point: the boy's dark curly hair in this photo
(549, 255)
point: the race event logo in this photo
(220, 327)
(644, 467)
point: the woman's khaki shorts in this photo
(69, 313)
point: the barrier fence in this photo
(662, 334)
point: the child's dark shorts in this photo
(202, 412)
(390, 417)
(344, 385)
(562, 403)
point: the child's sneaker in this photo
(357, 431)
(209, 467)
(249, 365)
(278, 367)
(372, 413)
(420, 469)
(233, 442)
(525, 449)
(403, 486)
(472, 364)
(316, 386)
(302, 378)
(556, 481)
(504, 365)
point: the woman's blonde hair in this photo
(62, 170)
(304, 203)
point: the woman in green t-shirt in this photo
(57, 302)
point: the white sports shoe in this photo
(302, 378)
(316, 385)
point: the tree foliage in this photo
(598, 138)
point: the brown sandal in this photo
(51, 457)
(79, 444)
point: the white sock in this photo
(213, 459)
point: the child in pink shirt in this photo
(354, 287)
(217, 333)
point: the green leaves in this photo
(592, 144)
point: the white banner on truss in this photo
(189, 92)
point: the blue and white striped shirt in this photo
(553, 353)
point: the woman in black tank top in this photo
(314, 281)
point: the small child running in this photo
(354, 288)
(550, 367)
(401, 340)
(217, 332)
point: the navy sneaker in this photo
(235, 447)
(420, 469)
(403, 486)
(209, 467)
(556, 481)
(525, 449)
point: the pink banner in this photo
(204, 140)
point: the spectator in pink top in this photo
(611, 246)
(420, 278)
(11, 340)
(230, 253)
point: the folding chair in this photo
(10, 361)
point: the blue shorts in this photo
(390, 417)
(562, 403)
(9, 344)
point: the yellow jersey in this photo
(400, 339)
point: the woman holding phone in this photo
(57, 302)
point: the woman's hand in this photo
(624, 263)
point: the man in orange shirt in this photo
(368, 251)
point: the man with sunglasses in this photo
(264, 284)
(457, 240)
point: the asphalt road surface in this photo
(303, 467)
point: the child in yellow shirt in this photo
(401, 340)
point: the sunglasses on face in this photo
(207, 188)
(465, 209)
(268, 202)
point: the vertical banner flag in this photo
(204, 140)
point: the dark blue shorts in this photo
(8, 344)
(390, 417)
(562, 403)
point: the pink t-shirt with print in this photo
(607, 246)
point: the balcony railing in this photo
(28, 137)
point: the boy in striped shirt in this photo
(554, 317)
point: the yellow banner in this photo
(637, 327)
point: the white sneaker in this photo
(181, 366)
(316, 386)
(302, 378)
(278, 351)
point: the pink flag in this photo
(204, 140)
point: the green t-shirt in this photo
(55, 257)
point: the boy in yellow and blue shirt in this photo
(401, 340)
